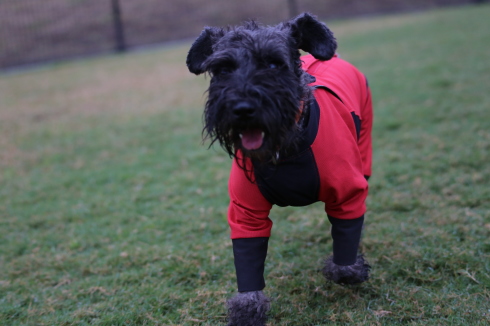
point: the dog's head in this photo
(258, 88)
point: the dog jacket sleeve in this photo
(248, 211)
(248, 217)
(346, 235)
(250, 254)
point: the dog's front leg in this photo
(250, 306)
(346, 266)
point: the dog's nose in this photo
(244, 110)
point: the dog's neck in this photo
(301, 109)
(303, 115)
(302, 120)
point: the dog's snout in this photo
(244, 110)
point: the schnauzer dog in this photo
(299, 131)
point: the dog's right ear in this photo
(202, 48)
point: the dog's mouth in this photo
(252, 138)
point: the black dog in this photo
(299, 130)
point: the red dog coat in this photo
(332, 165)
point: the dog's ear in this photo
(313, 36)
(202, 48)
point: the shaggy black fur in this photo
(248, 309)
(246, 93)
(352, 274)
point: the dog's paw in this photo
(248, 309)
(351, 274)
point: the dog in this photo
(299, 131)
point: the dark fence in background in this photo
(33, 31)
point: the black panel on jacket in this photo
(357, 122)
(330, 91)
(294, 180)
(250, 254)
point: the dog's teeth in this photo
(263, 134)
(241, 136)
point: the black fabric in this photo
(294, 180)
(330, 91)
(346, 236)
(250, 254)
(357, 123)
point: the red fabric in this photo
(351, 86)
(341, 158)
(343, 186)
(248, 212)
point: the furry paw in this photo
(351, 274)
(248, 309)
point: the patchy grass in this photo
(112, 212)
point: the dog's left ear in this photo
(313, 36)
(202, 48)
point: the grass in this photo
(112, 212)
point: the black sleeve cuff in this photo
(346, 236)
(250, 254)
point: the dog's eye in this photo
(222, 71)
(274, 64)
(225, 71)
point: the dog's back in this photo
(350, 86)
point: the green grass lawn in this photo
(113, 212)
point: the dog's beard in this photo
(263, 140)
(274, 127)
(256, 141)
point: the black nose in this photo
(244, 110)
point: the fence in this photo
(33, 31)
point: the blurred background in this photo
(33, 31)
(113, 210)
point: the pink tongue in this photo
(252, 139)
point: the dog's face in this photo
(257, 85)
